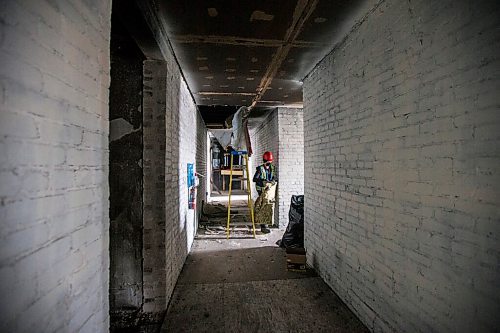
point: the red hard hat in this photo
(268, 156)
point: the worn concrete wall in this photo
(264, 138)
(402, 167)
(54, 77)
(291, 158)
(154, 198)
(125, 177)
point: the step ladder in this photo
(248, 189)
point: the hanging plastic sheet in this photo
(223, 136)
(294, 234)
(241, 138)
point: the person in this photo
(265, 175)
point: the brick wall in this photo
(185, 143)
(54, 77)
(265, 138)
(291, 159)
(282, 134)
(170, 142)
(402, 156)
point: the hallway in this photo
(242, 285)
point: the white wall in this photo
(54, 77)
(282, 133)
(291, 159)
(402, 167)
(186, 136)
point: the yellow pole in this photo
(249, 192)
(229, 200)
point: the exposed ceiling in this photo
(253, 53)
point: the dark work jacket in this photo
(263, 175)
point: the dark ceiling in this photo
(252, 53)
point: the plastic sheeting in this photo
(223, 136)
(241, 138)
(294, 234)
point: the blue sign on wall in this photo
(190, 175)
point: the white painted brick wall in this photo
(265, 138)
(402, 167)
(54, 78)
(291, 159)
(185, 143)
(282, 133)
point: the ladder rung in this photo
(244, 168)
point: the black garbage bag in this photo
(294, 234)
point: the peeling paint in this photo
(119, 127)
(259, 15)
(212, 12)
(231, 77)
(320, 20)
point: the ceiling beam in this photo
(214, 93)
(303, 10)
(241, 41)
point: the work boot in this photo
(264, 229)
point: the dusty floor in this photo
(242, 285)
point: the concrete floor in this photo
(242, 285)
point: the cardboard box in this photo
(296, 267)
(296, 259)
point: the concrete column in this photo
(125, 178)
(154, 262)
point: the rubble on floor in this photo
(215, 214)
